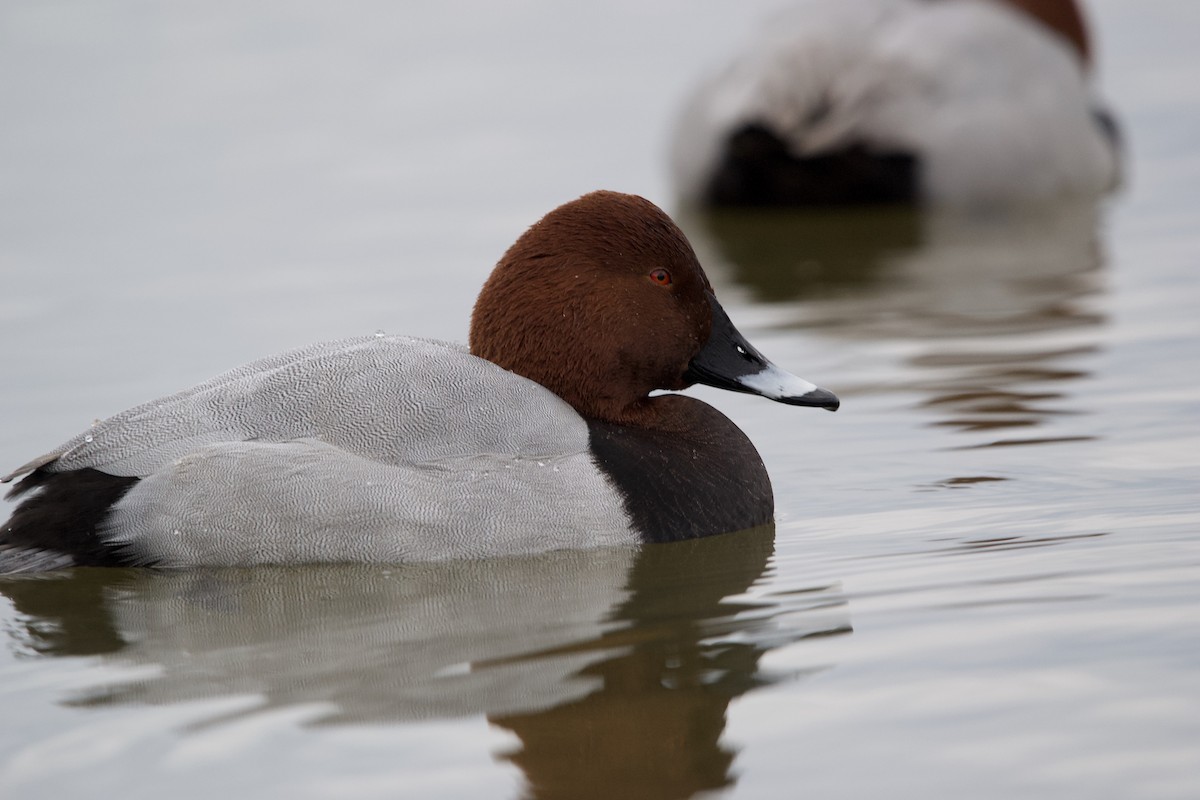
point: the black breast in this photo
(676, 486)
(757, 169)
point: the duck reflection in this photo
(614, 668)
(1002, 307)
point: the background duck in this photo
(947, 102)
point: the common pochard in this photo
(951, 103)
(542, 435)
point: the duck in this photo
(558, 426)
(972, 104)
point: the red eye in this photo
(661, 277)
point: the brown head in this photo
(603, 301)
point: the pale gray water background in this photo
(985, 580)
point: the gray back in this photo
(393, 399)
(380, 448)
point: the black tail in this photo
(58, 525)
(756, 169)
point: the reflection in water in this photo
(1001, 307)
(614, 668)
(785, 255)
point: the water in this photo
(984, 577)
